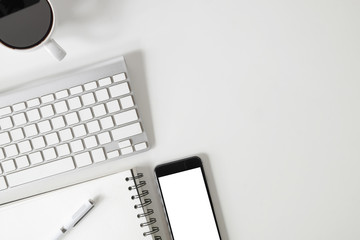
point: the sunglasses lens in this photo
(24, 23)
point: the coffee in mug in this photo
(27, 25)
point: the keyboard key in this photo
(119, 77)
(72, 118)
(113, 106)
(76, 146)
(52, 138)
(107, 122)
(126, 150)
(61, 107)
(76, 90)
(58, 122)
(63, 150)
(127, 131)
(99, 110)
(104, 82)
(19, 106)
(44, 126)
(65, 135)
(90, 86)
(93, 126)
(88, 99)
(113, 154)
(74, 103)
(98, 155)
(140, 146)
(33, 115)
(125, 117)
(85, 114)
(16, 134)
(79, 130)
(31, 130)
(2, 155)
(104, 138)
(40, 171)
(3, 184)
(47, 98)
(102, 95)
(47, 111)
(4, 111)
(119, 89)
(11, 150)
(4, 138)
(62, 94)
(22, 162)
(124, 144)
(90, 142)
(24, 146)
(8, 166)
(33, 102)
(19, 119)
(49, 154)
(6, 123)
(36, 157)
(82, 159)
(38, 142)
(127, 102)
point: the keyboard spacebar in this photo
(41, 171)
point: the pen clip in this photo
(82, 213)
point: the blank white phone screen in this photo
(188, 206)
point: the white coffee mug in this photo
(28, 25)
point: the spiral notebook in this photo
(122, 211)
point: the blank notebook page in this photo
(113, 216)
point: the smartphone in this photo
(186, 200)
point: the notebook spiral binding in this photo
(144, 202)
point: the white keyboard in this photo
(74, 122)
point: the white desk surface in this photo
(267, 92)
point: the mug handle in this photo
(54, 49)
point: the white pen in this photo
(75, 219)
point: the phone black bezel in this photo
(180, 166)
